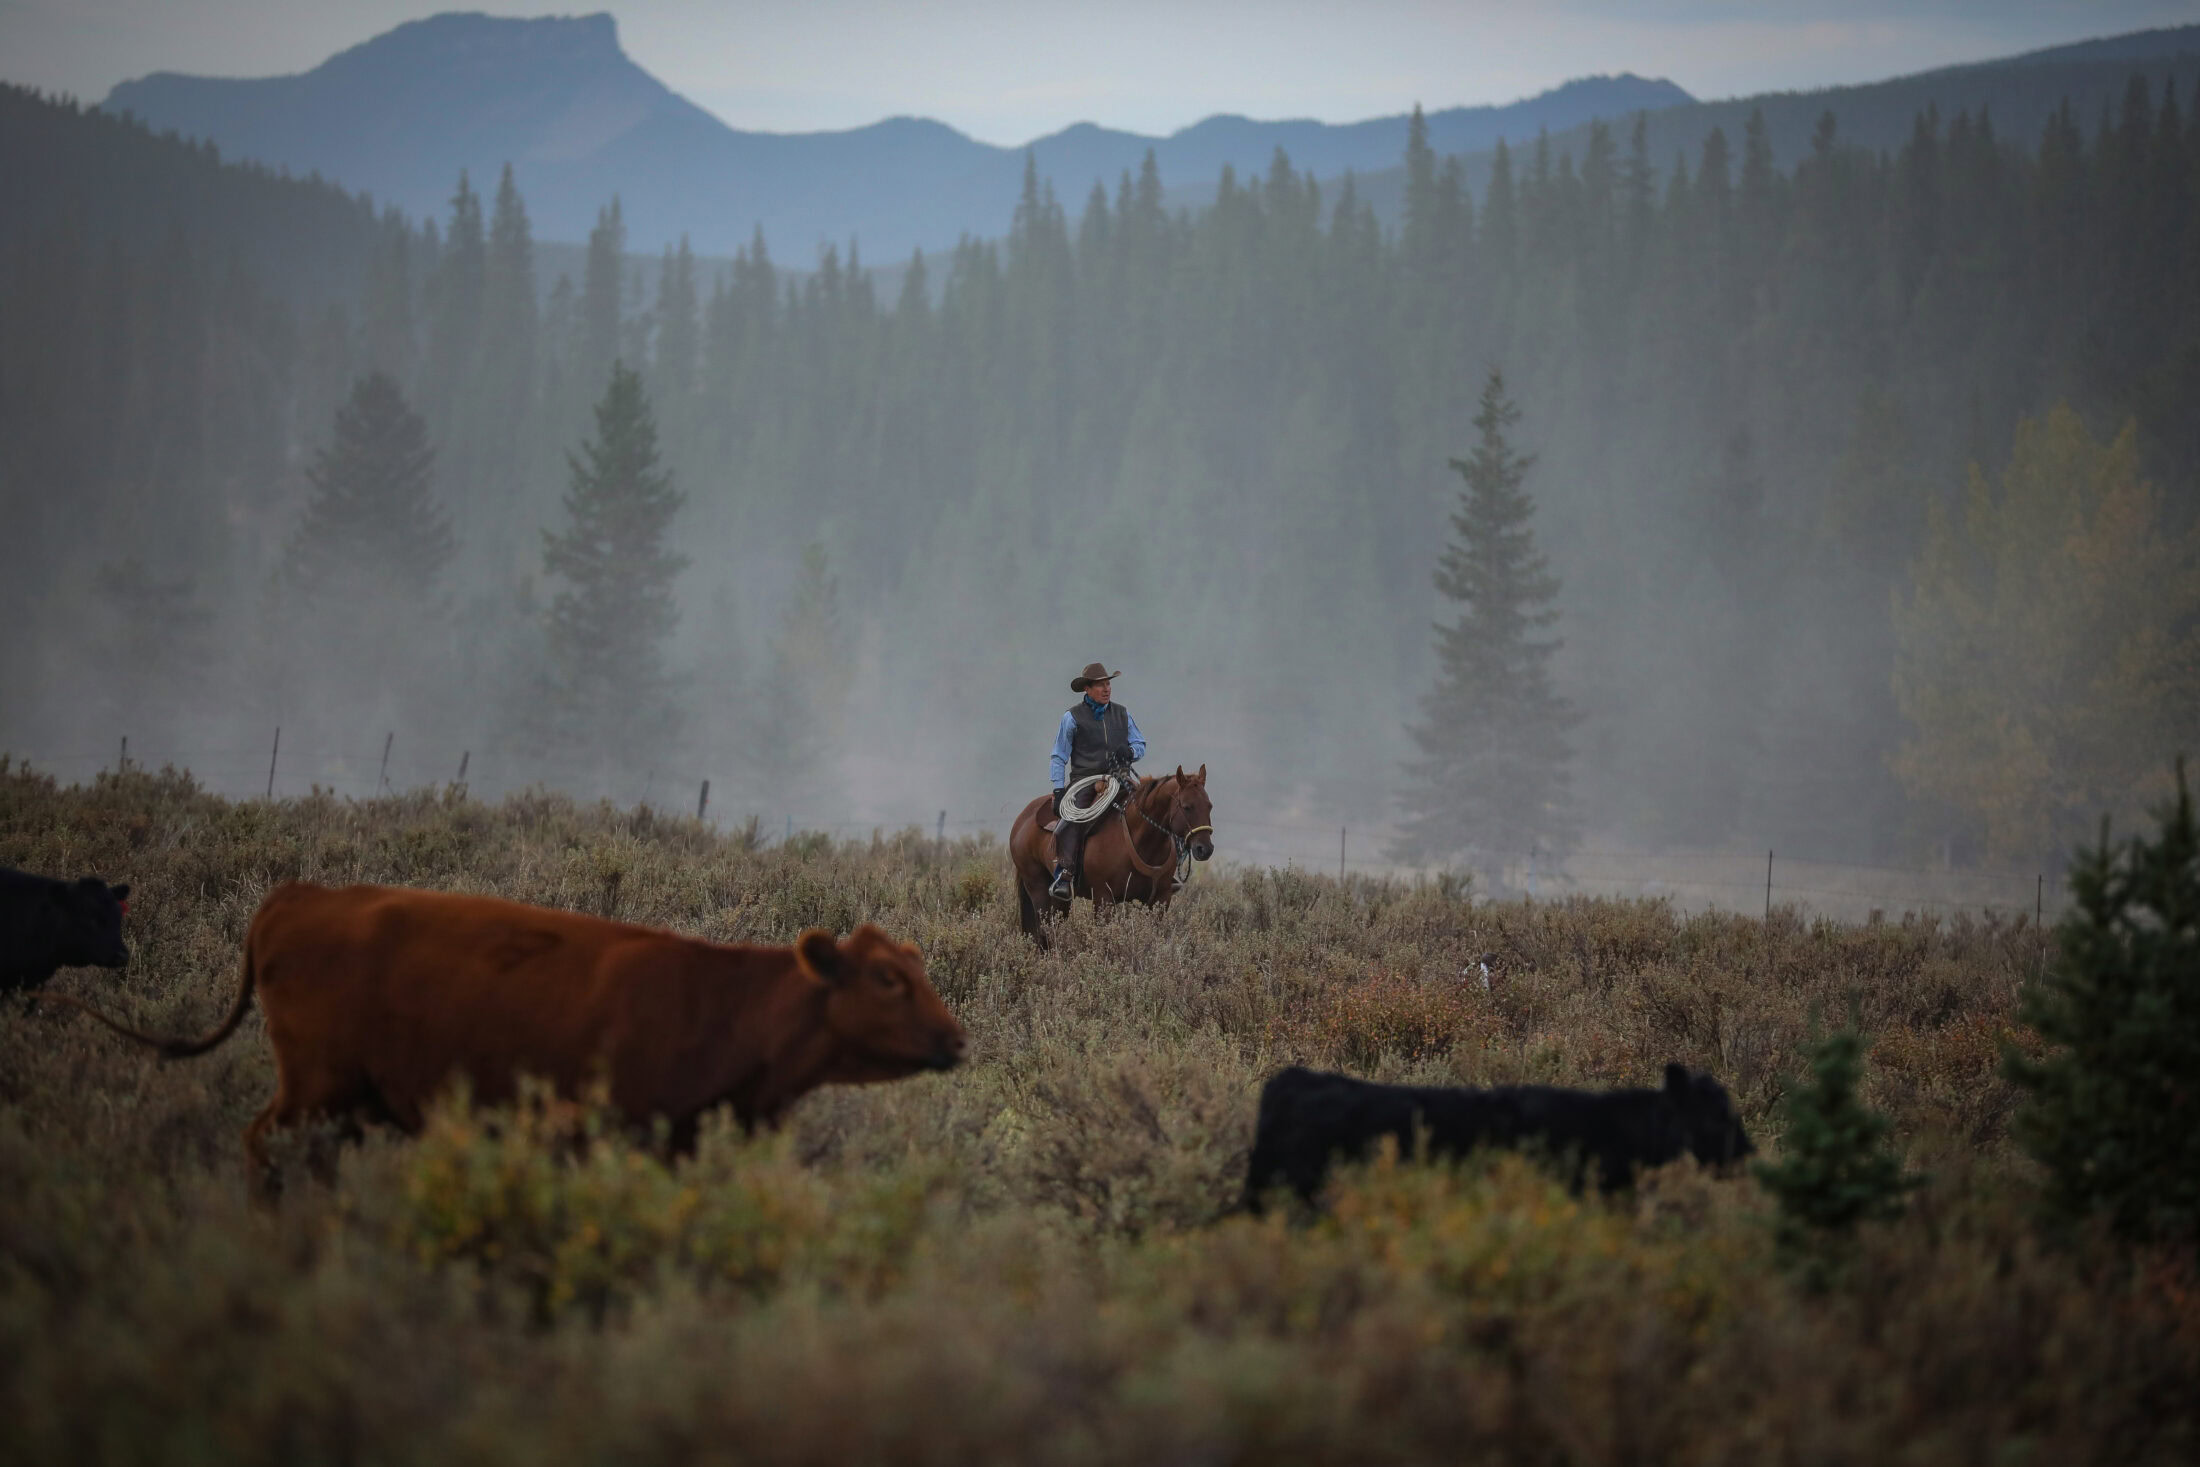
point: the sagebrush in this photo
(1028, 1260)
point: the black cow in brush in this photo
(47, 925)
(1309, 1119)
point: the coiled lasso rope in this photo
(1078, 814)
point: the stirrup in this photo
(1063, 888)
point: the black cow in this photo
(1308, 1119)
(47, 924)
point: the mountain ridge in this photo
(401, 114)
(2017, 93)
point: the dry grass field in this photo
(1028, 1259)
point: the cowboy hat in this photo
(1095, 672)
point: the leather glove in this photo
(1058, 800)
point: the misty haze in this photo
(1198, 427)
(1621, 582)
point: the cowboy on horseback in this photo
(1097, 736)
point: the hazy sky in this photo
(1007, 71)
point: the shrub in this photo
(1835, 1172)
(1412, 1019)
(1500, 1232)
(554, 1201)
(2114, 1106)
(976, 889)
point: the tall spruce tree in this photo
(608, 694)
(374, 527)
(673, 375)
(457, 290)
(602, 288)
(358, 597)
(1492, 782)
(509, 347)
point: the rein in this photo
(1183, 843)
(1130, 843)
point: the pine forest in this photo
(1868, 479)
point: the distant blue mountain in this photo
(401, 114)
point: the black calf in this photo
(1308, 1119)
(46, 925)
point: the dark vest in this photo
(1096, 743)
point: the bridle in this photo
(1184, 862)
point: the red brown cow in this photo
(378, 997)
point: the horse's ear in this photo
(1202, 774)
(1179, 774)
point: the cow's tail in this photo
(171, 1048)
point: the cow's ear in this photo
(820, 956)
(1676, 1079)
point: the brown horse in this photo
(1132, 854)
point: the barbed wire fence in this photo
(1753, 882)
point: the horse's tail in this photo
(169, 1047)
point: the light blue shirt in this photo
(1058, 766)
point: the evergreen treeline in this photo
(1213, 446)
(172, 333)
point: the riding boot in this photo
(1069, 854)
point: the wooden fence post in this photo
(382, 780)
(702, 801)
(271, 753)
(1768, 886)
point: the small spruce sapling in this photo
(1836, 1171)
(2113, 1112)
